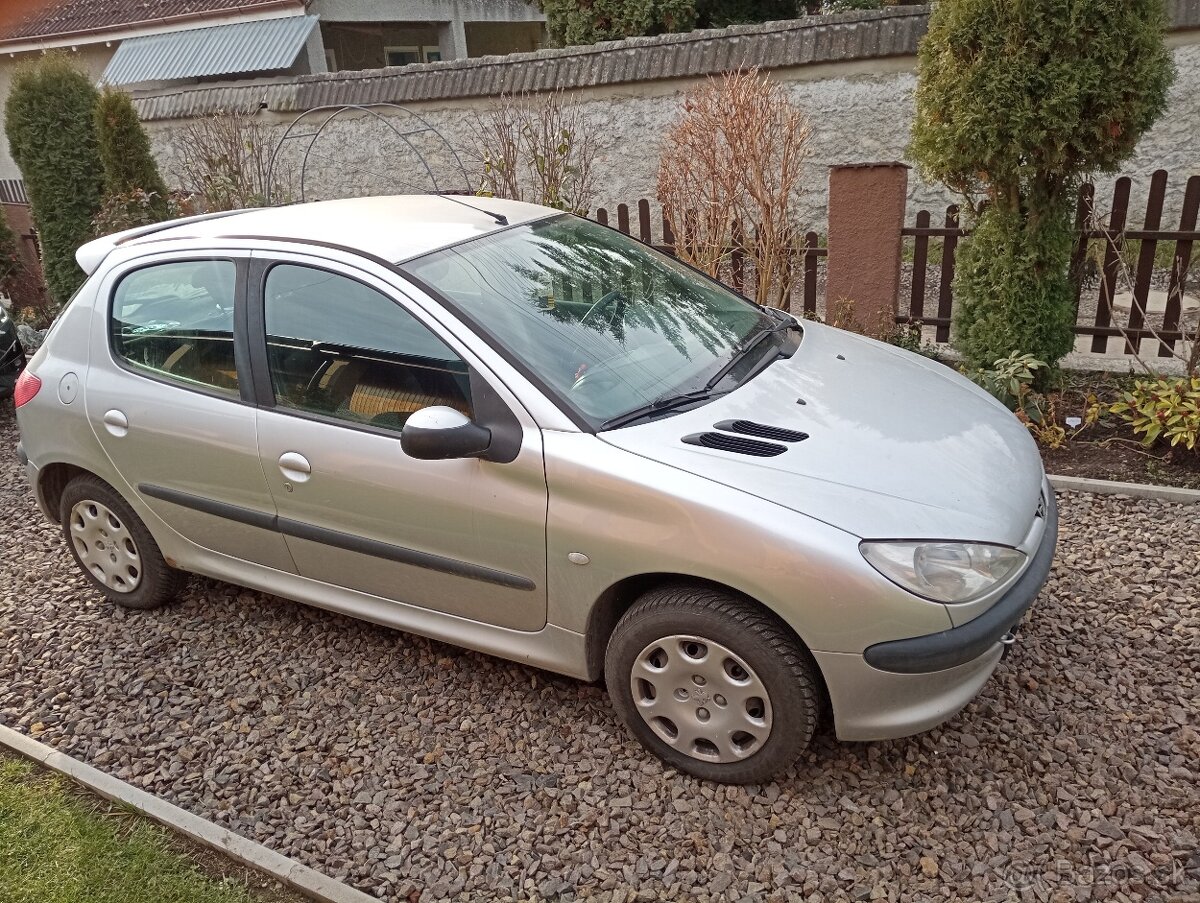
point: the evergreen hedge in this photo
(128, 163)
(10, 255)
(1017, 104)
(52, 136)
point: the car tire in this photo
(751, 677)
(113, 548)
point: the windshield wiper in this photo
(660, 405)
(748, 345)
(669, 402)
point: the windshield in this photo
(609, 324)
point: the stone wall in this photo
(854, 74)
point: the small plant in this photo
(1009, 378)
(135, 208)
(1163, 408)
(908, 336)
(840, 315)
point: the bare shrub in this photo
(224, 162)
(728, 173)
(537, 148)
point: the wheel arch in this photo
(620, 597)
(53, 479)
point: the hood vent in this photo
(735, 444)
(761, 430)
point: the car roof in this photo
(394, 228)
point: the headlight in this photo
(948, 572)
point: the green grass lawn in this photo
(61, 845)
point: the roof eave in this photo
(131, 29)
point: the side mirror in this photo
(438, 433)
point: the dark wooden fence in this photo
(739, 274)
(1111, 274)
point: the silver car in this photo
(525, 433)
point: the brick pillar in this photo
(866, 214)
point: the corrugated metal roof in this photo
(261, 46)
(12, 191)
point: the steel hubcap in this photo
(105, 546)
(701, 698)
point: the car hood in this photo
(898, 446)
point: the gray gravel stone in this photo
(414, 770)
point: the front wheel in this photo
(711, 684)
(113, 548)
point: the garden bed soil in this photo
(1108, 454)
(1108, 449)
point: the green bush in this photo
(52, 135)
(129, 166)
(10, 255)
(1018, 103)
(588, 21)
(1163, 408)
(720, 13)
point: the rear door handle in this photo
(295, 466)
(116, 422)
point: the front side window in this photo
(175, 321)
(608, 323)
(339, 348)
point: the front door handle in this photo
(295, 466)
(116, 422)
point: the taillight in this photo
(27, 386)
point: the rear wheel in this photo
(712, 684)
(113, 548)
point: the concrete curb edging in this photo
(1137, 490)
(299, 877)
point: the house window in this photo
(406, 56)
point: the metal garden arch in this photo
(334, 112)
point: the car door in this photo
(167, 395)
(341, 360)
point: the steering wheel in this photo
(613, 297)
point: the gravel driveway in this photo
(414, 770)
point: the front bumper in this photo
(903, 687)
(960, 645)
(869, 704)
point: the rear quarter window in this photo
(174, 321)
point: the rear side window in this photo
(175, 321)
(339, 348)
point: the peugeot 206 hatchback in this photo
(525, 433)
